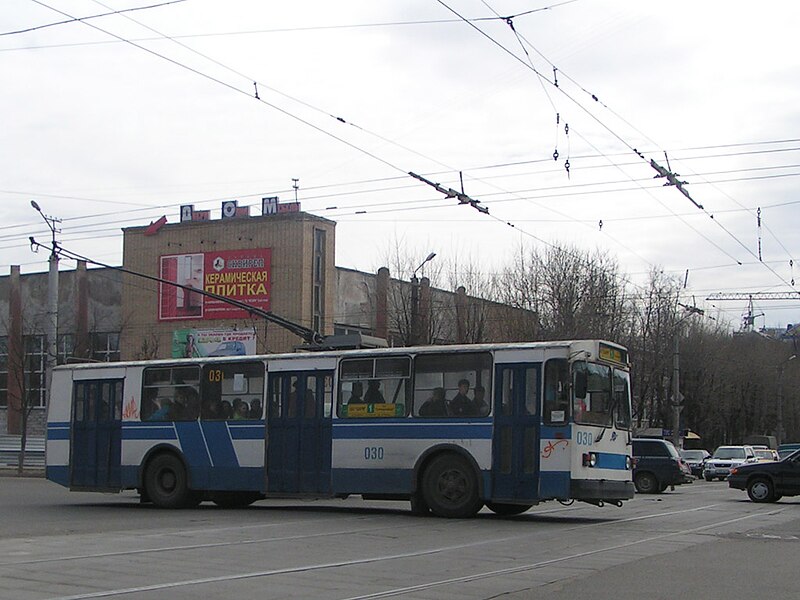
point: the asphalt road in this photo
(700, 541)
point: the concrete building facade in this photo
(282, 263)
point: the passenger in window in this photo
(435, 406)
(226, 410)
(479, 402)
(161, 413)
(211, 410)
(240, 409)
(374, 395)
(461, 405)
(356, 393)
(255, 409)
(186, 407)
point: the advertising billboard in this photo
(243, 275)
(194, 343)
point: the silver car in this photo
(725, 458)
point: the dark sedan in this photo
(768, 481)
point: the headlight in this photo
(628, 463)
(589, 459)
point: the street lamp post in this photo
(779, 411)
(52, 302)
(415, 320)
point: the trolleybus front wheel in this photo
(450, 487)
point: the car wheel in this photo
(646, 483)
(760, 490)
(167, 484)
(708, 478)
(450, 487)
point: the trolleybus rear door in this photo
(299, 432)
(516, 433)
(96, 434)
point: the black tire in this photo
(507, 510)
(760, 490)
(234, 499)
(646, 483)
(450, 487)
(708, 478)
(419, 507)
(167, 483)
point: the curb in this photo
(27, 472)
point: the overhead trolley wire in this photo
(86, 18)
(673, 180)
(283, 111)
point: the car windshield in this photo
(673, 451)
(765, 454)
(692, 454)
(728, 452)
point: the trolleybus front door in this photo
(516, 433)
(299, 432)
(96, 435)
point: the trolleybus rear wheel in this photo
(450, 487)
(167, 484)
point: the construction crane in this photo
(749, 318)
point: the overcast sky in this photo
(117, 120)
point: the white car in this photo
(725, 458)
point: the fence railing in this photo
(10, 449)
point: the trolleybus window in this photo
(170, 394)
(233, 391)
(622, 404)
(455, 384)
(374, 387)
(556, 391)
(593, 404)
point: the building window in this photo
(35, 361)
(105, 347)
(3, 371)
(318, 298)
(66, 348)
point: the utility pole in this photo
(52, 301)
(677, 398)
(676, 393)
(779, 412)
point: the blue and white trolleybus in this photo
(449, 428)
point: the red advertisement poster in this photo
(243, 275)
